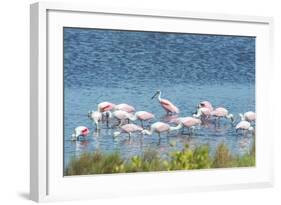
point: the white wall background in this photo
(14, 101)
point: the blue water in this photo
(128, 67)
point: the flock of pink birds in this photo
(126, 114)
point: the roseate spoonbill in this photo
(121, 115)
(203, 112)
(125, 107)
(188, 122)
(218, 112)
(105, 108)
(244, 125)
(222, 112)
(160, 127)
(206, 104)
(128, 128)
(248, 116)
(142, 116)
(166, 104)
(96, 117)
(80, 131)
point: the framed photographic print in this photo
(129, 101)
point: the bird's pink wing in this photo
(131, 128)
(85, 131)
(146, 116)
(188, 121)
(242, 125)
(125, 107)
(163, 127)
(168, 106)
(220, 112)
(106, 106)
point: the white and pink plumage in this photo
(142, 116)
(244, 125)
(160, 127)
(80, 131)
(108, 106)
(125, 107)
(188, 122)
(206, 104)
(219, 112)
(168, 106)
(121, 115)
(222, 112)
(249, 116)
(203, 112)
(129, 129)
(105, 106)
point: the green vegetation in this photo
(186, 159)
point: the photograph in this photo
(154, 101)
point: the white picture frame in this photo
(47, 182)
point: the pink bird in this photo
(222, 112)
(206, 104)
(105, 106)
(121, 116)
(160, 127)
(125, 107)
(248, 116)
(142, 116)
(80, 131)
(128, 128)
(203, 112)
(219, 112)
(244, 125)
(166, 104)
(188, 122)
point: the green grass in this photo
(186, 159)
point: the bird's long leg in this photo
(141, 140)
(218, 122)
(159, 138)
(141, 123)
(192, 129)
(107, 119)
(189, 132)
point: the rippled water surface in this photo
(128, 67)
